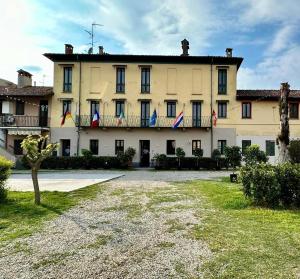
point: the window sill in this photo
(67, 92)
(120, 92)
(246, 118)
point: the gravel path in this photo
(134, 229)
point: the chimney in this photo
(185, 47)
(101, 50)
(228, 52)
(24, 78)
(68, 49)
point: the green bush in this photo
(253, 155)
(216, 154)
(271, 185)
(233, 155)
(5, 171)
(294, 151)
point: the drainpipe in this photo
(211, 107)
(79, 111)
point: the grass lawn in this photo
(20, 217)
(247, 242)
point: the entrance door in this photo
(144, 153)
(43, 120)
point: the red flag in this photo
(214, 115)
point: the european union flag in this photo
(153, 119)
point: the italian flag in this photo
(120, 119)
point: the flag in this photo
(120, 119)
(178, 120)
(214, 116)
(67, 115)
(95, 120)
(153, 119)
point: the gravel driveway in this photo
(134, 229)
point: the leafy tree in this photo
(253, 155)
(36, 151)
(179, 154)
(233, 155)
(198, 152)
(294, 151)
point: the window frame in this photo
(195, 142)
(173, 152)
(221, 146)
(145, 80)
(120, 106)
(66, 106)
(246, 113)
(271, 154)
(222, 104)
(222, 81)
(95, 105)
(94, 148)
(290, 114)
(119, 144)
(67, 79)
(20, 107)
(62, 148)
(172, 105)
(120, 80)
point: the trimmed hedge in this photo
(5, 170)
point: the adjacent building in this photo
(136, 99)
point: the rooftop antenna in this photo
(91, 33)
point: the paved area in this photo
(139, 227)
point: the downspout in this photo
(79, 110)
(211, 108)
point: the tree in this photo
(283, 139)
(36, 151)
(198, 152)
(179, 154)
(233, 155)
(253, 155)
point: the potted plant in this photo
(179, 154)
(198, 152)
(234, 157)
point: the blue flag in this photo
(153, 119)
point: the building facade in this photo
(127, 90)
(24, 110)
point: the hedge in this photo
(5, 170)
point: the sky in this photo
(265, 33)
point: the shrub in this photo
(179, 154)
(233, 156)
(5, 170)
(86, 153)
(160, 161)
(294, 151)
(253, 155)
(216, 154)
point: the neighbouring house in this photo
(24, 110)
(140, 97)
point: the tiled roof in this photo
(30, 91)
(264, 94)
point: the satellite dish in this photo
(90, 50)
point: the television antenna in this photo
(91, 33)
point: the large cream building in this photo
(136, 85)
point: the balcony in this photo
(13, 121)
(110, 121)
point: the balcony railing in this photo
(23, 121)
(107, 121)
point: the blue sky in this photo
(264, 32)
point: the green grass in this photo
(20, 217)
(247, 241)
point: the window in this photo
(294, 110)
(245, 144)
(145, 80)
(222, 81)
(67, 79)
(66, 106)
(196, 114)
(221, 146)
(171, 109)
(145, 113)
(94, 107)
(196, 144)
(94, 145)
(246, 110)
(119, 107)
(171, 145)
(222, 109)
(65, 147)
(20, 105)
(270, 147)
(119, 146)
(120, 88)
(17, 147)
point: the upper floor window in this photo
(246, 110)
(145, 80)
(120, 86)
(20, 107)
(222, 81)
(94, 107)
(222, 109)
(294, 110)
(171, 109)
(221, 146)
(66, 106)
(67, 87)
(119, 107)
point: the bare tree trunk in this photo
(284, 136)
(37, 195)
